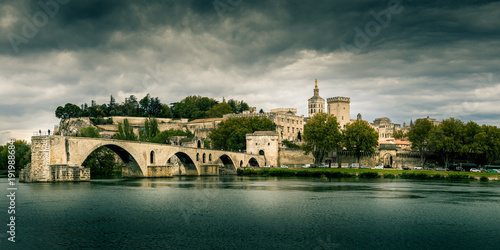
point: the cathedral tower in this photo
(316, 104)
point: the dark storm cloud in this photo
(430, 58)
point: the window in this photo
(152, 157)
(204, 157)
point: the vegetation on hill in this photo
(191, 107)
(231, 133)
(148, 133)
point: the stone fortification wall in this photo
(381, 157)
(294, 157)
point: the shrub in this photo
(418, 176)
(371, 175)
(484, 178)
(456, 177)
(290, 144)
(389, 176)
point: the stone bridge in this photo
(60, 158)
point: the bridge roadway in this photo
(60, 158)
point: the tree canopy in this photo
(191, 107)
(231, 133)
(454, 140)
(321, 135)
(419, 135)
(91, 132)
(22, 153)
(360, 138)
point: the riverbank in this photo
(369, 174)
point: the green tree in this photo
(165, 112)
(231, 133)
(474, 142)
(22, 154)
(219, 110)
(400, 134)
(68, 111)
(419, 135)
(193, 107)
(91, 132)
(131, 106)
(321, 135)
(490, 135)
(125, 132)
(150, 130)
(447, 139)
(164, 136)
(101, 162)
(360, 138)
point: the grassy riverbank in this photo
(369, 174)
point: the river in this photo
(236, 212)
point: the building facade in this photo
(264, 143)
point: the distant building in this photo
(264, 143)
(341, 108)
(316, 104)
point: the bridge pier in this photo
(160, 171)
(55, 173)
(209, 169)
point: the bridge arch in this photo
(188, 165)
(130, 159)
(228, 165)
(253, 162)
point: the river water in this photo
(254, 213)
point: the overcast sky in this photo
(398, 59)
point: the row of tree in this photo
(191, 107)
(322, 134)
(454, 140)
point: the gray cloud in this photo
(436, 58)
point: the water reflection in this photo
(234, 212)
